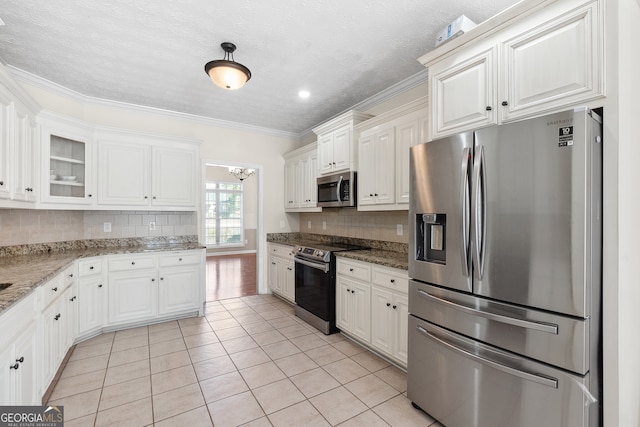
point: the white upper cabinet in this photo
(300, 175)
(136, 171)
(19, 135)
(463, 93)
(383, 159)
(66, 172)
(336, 150)
(543, 61)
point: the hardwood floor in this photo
(230, 276)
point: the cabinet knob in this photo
(71, 275)
(16, 366)
(162, 278)
(179, 259)
(488, 108)
(55, 289)
(376, 194)
(154, 197)
(370, 195)
(394, 307)
(21, 360)
(145, 197)
(348, 290)
(289, 268)
(91, 268)
(153, 279)
(353, 292)
(57, 316)
(1, 183)
(388, 304)
(351, 269)
(393, 280)
(89, 195)
(133, 263)
(100, 285)
(505, 103)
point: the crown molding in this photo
(32, 79)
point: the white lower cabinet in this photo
(353, 308)
(148, 287)
(372, 306)
(91, 297)
(19, 384)
(281, 271)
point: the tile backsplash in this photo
(27, 226)
(357, 224)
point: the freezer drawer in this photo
(562, 341)
(463, 383)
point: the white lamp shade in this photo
(228, 75)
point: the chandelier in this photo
(226, 72)
(241, 173)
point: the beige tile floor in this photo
(249, 361)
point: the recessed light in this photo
(304, 94)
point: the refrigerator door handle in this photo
(528, 324)
(464, 217)
(478, 228)
(549, 382)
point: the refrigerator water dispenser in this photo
(431, 237)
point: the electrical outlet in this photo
(106, 227)
(152, 225)
(324, 225)
(308, 224)
(399, 229)
(281, 224)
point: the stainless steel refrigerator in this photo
(505, 260)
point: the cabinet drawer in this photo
(89, 267)
(281, 250)
(179, 259)
(354, 270)
(51, 290)
(131, 263)
(397, 280)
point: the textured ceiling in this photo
(152, 52)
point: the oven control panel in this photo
(312, 253)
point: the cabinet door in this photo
(401, 331)
(366, 171)
(133, 296)
(362, 311)
(24, 150)
(553, 65)
(274, 277)
(344, 304)
(407, 135)
(341, 149)
(123, 173)
(53, 331)
(7, 376)
(306, 175)
(90, 302)
(66, 176)
(382, 320)
(26, 384)
(463, 94)
(312, 183)
(174, 177)
(325, 153)
(6, 129)
(288, 280)
(291, 184)
(384, 167)
(178, 289)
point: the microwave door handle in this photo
(338, 189)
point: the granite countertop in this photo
(389, 254)
(28, 266)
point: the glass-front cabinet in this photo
(66, 159)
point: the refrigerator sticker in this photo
(565, 136)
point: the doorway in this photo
(230, 230)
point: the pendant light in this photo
(227, 73)
(241, 173)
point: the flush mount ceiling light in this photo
(241, 173)
(227, 73)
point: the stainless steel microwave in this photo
(337, 191)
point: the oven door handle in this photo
(319, 266)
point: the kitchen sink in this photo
(4, 286)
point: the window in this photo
(223, 217)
